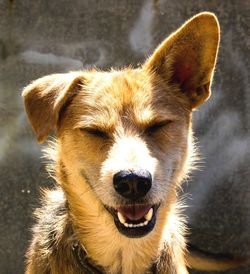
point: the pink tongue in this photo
(134, 213)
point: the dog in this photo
(123, 147)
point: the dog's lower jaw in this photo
(116, 253)
(111, 250)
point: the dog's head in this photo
(124, 136)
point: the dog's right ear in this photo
(45, 97)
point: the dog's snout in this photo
(132, 185)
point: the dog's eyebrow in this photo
(160, 119)
(91, 122)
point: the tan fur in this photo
(102, 121)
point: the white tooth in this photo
(121, 218)
(135, 225)
(149, 215)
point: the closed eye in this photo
(156, 127)
(96, 132)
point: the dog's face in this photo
(127, 137)
(124, 136)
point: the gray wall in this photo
(42, 37)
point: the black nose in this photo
(132, 185)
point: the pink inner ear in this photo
(186, 67)
(184, 72)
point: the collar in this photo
(84, 262)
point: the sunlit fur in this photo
(123, 104)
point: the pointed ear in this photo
(187, 58)
(45, 97)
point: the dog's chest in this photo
(123, 264)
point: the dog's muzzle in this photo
(135, 219)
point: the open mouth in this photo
(134, 221)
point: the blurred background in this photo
(43, 37)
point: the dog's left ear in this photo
(45, 98)
(187, 58)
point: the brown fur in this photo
(110, 121)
